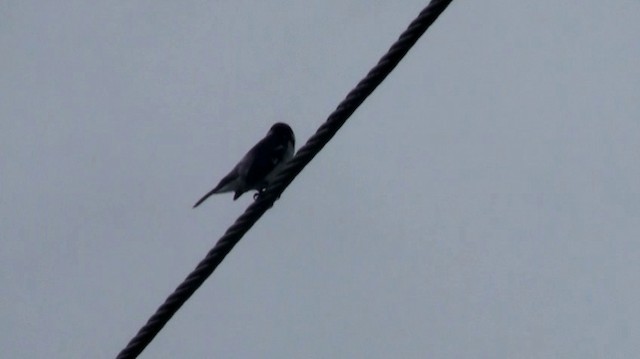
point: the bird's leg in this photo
(259, 193)
(262, 190)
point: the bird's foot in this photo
(259, 193)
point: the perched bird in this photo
(260, 165)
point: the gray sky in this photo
(483, 203)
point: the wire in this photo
(265, 201)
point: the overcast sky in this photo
(484, 202)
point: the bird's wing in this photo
(267, 155)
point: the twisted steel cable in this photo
(265, 201)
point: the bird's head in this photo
(283, 131)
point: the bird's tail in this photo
(213, 191)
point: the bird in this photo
(259, 166)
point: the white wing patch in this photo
(287, 156)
